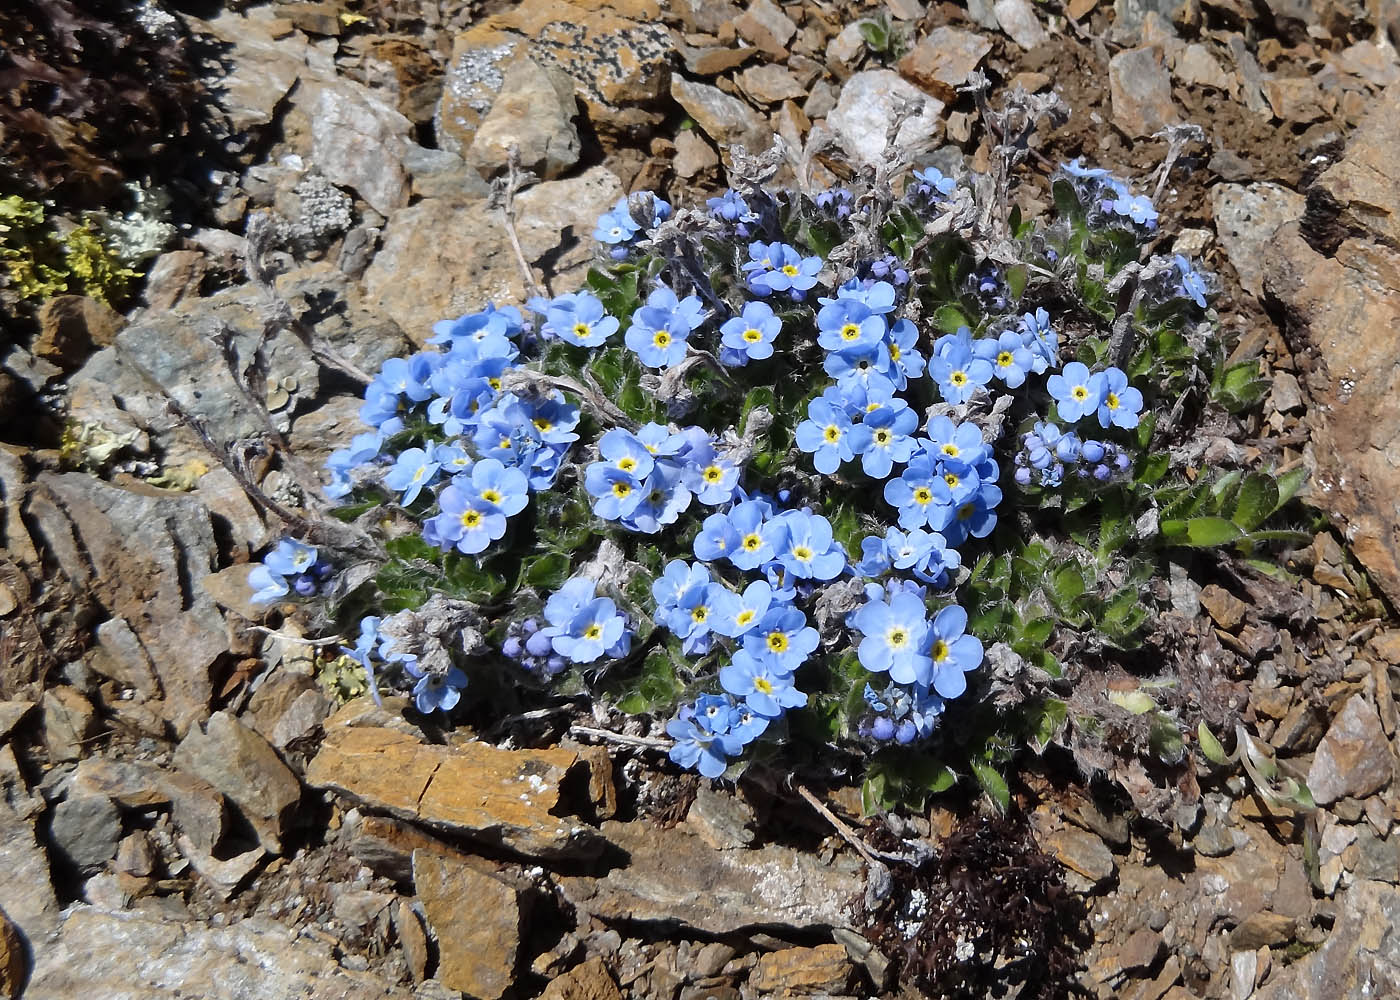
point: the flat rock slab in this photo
(1361, 958)
(674, 877)
(1354, 758)
(477, 921)
(502, 797)
(135, 956)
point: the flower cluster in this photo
(290, 566)
(432, 689)
(1111, 196)
(1047, 452)
(620, 229)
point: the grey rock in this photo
(86, 829)
(1019, 20)
(1141, 91)
(141, 552)
(1354, 758)
(725, 119)
(765, 25)
(358, 142)
(301, 719)
(1246, 219)
(69, 722)
(1360, 958)
(261, 70)
(241, 765)
(770, 83)
(674, 877)
(438, 173)
(863, 113)
(140, 956)
(25, 887)
(534, 113)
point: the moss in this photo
(40, 264)
(95, 267)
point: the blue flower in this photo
(664, 499)
(825, 435)
(849, 325)
(735, 615)
(894, 638)
(504, 488)
(956, 445)
(267, 586)
(1011, 360)
(919, 494)
(616, 227)
(759, 538)
(717, 538)
(931, 185)
(1120, 403)
(782, 636)
(764, 687)
(467, 521)
(435, 692)
(976, 517)
(731, 207)
(905, 361)
(777, 267)
(703, 737)
(1136, 208)
(659, 329)
(593, 631)
(1041, 340)
(1075, 168)
(690, 619)
(580, 319)
(752, 332)
(676, 583)
(925, 553)
(712, 479)
(958, 373)
(290, 558)
(414, 469)
(952, 653)
(615, 493)
(808, 552)
(1076, 392)
(1192, 285)
(882, 438)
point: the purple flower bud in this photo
(882, 728)
(322, 569)
(1067, 448)
(529, 626)
(1051, 255)
(1122, 462)
(784, 496)
(1032, 441)
(304, 585)
(512, 648)
(1023, 477)
(1092, 451)
(554, 665)
(907, 732)
(1040, 458)
(1102, 472)
(539, 644)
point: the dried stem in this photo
(503, 192)
(645, 742)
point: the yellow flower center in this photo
(700, 613)
(832, 434)
(752, 542)
(897, 638)
(491, 496)
(923, 495)
(939, 652)
(951, 450)
(582, 331)
(777, 642)
(1080, 393)
(851, 331)
(763, 685)
(471, 518)
(894, 352)
(882, 437)
(713, 473)
(494, 383)
(790, 270)
(627, 463)
(621, 490)
(801, 553)
(1004, 359)
(662, 339)
(593, 631)
(951, 478)
(752, 336)
(1112, 400)
(959, 379)
(504, 443)
(542, 425)
(744, 617)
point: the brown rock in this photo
(1354, 758)
(197, 808)
(942, 61)
(823, 969)
(412, 938)
(504, 797)
(432, 266)
(693, 154)
(1297, 99)
(769, 84)
(713, 60)
(766, 26)
(12, 713)
(534, 113)
(1224, 607)
(25, 886)
(73, 326)
(1357, 426)
(1083, 852)
(725, 119)
(589, 981)
(1246, 219)
(865, 110)
(1372, 61)
(70, 722)
(1263, 929)
(1141, 92)
(1020, 21)
(386, 845)
(1362, 183)
(13, 963)
(1357, 960)
(1194, 66)
(174, 276)
(242, 765)
(477, 922)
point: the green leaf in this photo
(876, 35)
(1290, 483)
(1212, 748)
(548, 572)
(1066, 201)
(1016, 278)
(1144, 430)
(1049, 724)
(761, 396)
(1256, 500)
(1151, 468)
(1202, 532)
(1066, 584)
(993, 784)
(948, 318)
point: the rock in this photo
(70, 722)
(241, 765)
(1225, 608)
(86, 829)
(12, 713)
(943, 60)
(412, 938)
(722, 820)
(534, 112)
(437, 173)
(1360, 958)
(725, 119)
(1362, 183)
(823, 969)
(25, 888)
(770, 84)
(477, 922)
(358, 142)
(135, 855)
(301, 719)
(589, 981)
(224, 877)
(693, 154)
(1019, 20)
(1246, 219)
(712, 60)
(1297, 99)
(385, 845)
(864, 111)
(506, 798)
(1244, 971)
(1285, 393)
(1194, 66)
(173, 277)
(140, 552)
(1082, 852)
(197, 808)
(1354, 758)
(1141, 92)
(1263, 929)
(1355, 388)
(618, 57)
(674, 877)
(140, 956)
(766, 26)
(72, 326)
(13, 962)
(845, 48)
(439, 261)
(1374, 62)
